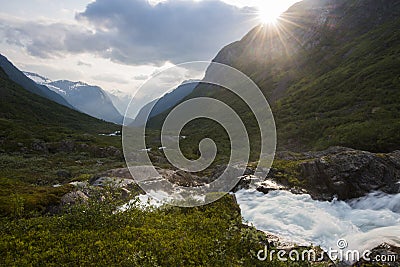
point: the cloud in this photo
(110, 78)
(135, 32)
(141, 77)
(81, 63)
(47, 40)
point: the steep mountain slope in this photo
(120, 100)
(164, 103)
(18, 77)
(330, 69)
(24, 117)
(91, 100)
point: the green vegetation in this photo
(287, 172)
(43, 144)
(31, 178)
(92, 235)
(354, 104)
(26, 117)
(343, 90)
(340, 91)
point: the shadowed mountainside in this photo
(330, 72)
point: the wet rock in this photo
(182, 178)
(246, 182)
(348, 173)
(338, 172)
(219, 170)
(265, 189)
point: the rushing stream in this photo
(364, 223)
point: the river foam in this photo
(364, 223)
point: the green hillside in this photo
(25, 117)
(36, 230)
(43, 143)
(15, 75)
(330, 70)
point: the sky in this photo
(119, 44)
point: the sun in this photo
(269, 13)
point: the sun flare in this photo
(268, 14)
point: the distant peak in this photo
(37, 77)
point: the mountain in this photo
(89, 99)
(330, 70)
(164, 103)
(18, 77)
(25, 117)
(120, 100)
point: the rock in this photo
(119, 173)
(265, 189)
(389, 255)
(351, 174)
(125, 193)
(40, 145)
(79, 184)
(234, 170)
(113, 182)
(346, 173)
(73, 198)
(66, 146)
(245, 182)
(182, 178)
(120, 177)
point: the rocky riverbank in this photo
(338, 172)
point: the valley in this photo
(73, 194)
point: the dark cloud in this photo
(135, 32)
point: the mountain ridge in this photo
(86, 98)
(17, 76)
(26, 117)
(328, 69)
(168, 100)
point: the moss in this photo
(287, 172)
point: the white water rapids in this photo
(364, 223)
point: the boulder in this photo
(74, 198)
(182, 178)
(40, 145)
(346, 173)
